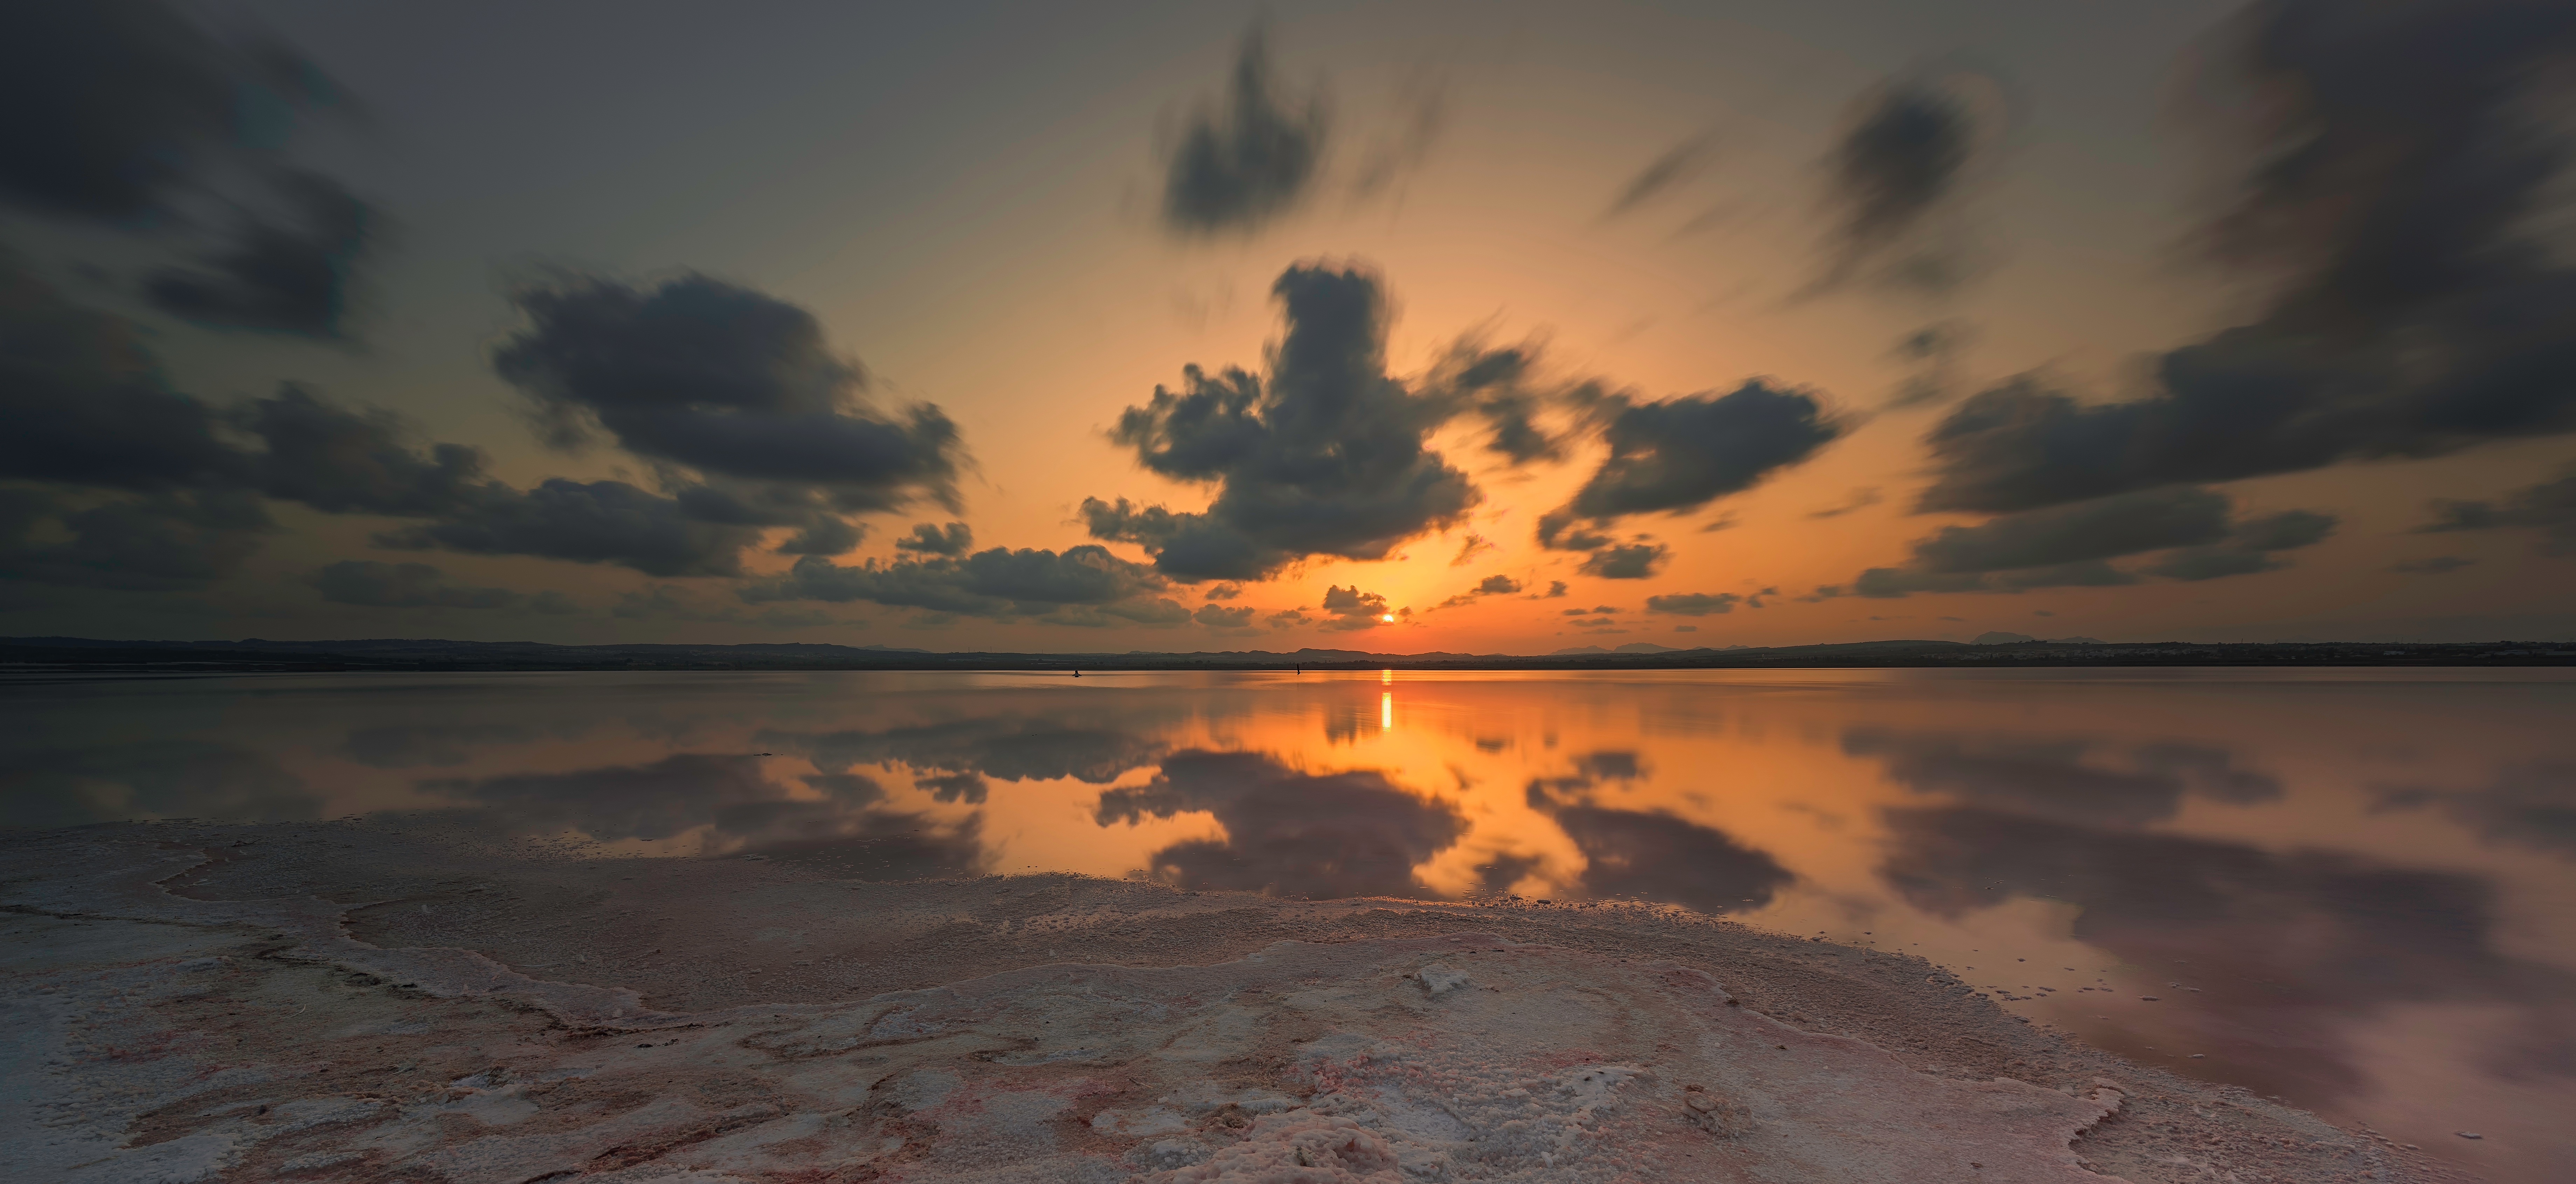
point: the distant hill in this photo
(42, 654)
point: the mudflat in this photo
(420, 1000)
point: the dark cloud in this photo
(955, 787)
(731, 383)
(2549, 507)
(1325, 457)
(1676, 166)
(1224, 591)
(1489, 586)
(86, 404)
(402, 585)
(2290, 949)
(1680, 454)
(1860, 499)
(1217, 616)
(2432, 565)
(585, 522)
(1349, 608)
(155, 542)
(1900, 160)
(1469, 548)
(1085, 585)
(1634, 561)
(46, 787)
(1289, 833)
(2062, 777)
(2396, 158)
(341, 461)
(2070, 545)
(925, 539)
(284, 272)
(1555, 589)
(1246, 159)
(1694, 604)
(1614, 764)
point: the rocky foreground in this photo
(403, 1002)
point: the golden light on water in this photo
(1385, 710)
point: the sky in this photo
(1403, 327)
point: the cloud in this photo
(2069, 545)
(1350, 608)
(1900, 160)
(1489, 586)
(1634, 561)
(2432, 565)
(1325, 457)
(1289, 833)
(1860, 499)
(2395, 159)
(156, 542)
(1224, 591)
(1085, 585)
(1217, 616)
(2549, 507)
(285, 272)
(86, 403)
(341, 461)
(1555, 589)
(1247, 159)
(733, 384)
(1680, 454)
(925, 539)
(954, 787)
(370, 584)
(1676, 166)
(1693, 604)
(584, 522)
(1471, 547)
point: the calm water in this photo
(2355, 890)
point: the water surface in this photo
(2355, 890)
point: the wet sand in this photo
(413, 1001)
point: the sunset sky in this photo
(1470, 327)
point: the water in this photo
(2355, 890)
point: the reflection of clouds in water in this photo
(1613, 764)
(1289, 833)
(1653, 855)
(149, 779)
(412, 746)
(2531, 805)
(1008, 747)
(954, 787)
(2057, 777)
(745, 809)
(1503, 869)
(2284, 946)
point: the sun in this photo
(1388, 618)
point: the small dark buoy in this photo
(1077, 674)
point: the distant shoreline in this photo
(429, 655)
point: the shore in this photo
(414, 1001)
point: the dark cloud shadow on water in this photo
(412, 746)
(2292, 953)
(52, 787)
(1011, 748)
(1289, 833)
(747, 811)
(2530, 805)
(2071, 779)
(1652, 855)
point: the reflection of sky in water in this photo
(2354, 889)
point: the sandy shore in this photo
(409, 1001)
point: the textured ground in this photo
(403, 1003)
